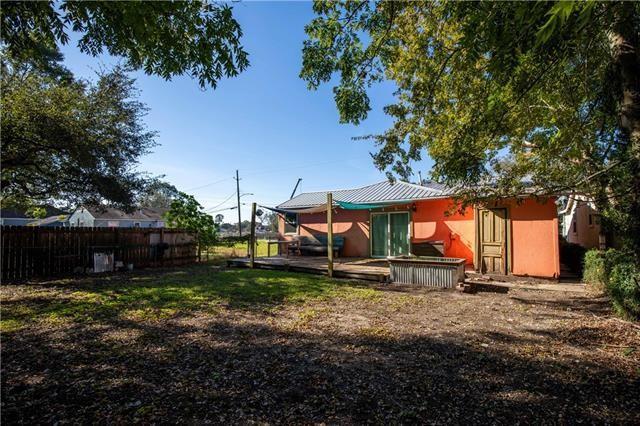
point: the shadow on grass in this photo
(237, 372)
(169, 293)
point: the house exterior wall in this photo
(456, 230)
(535, 247)
(81, 217)
(576, 227)
(353, 225)
(533, 231)
(127, 223)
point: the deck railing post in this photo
(329, 234)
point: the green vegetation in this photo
(200, 39)
(187, 213)
(73, 140)
(594, 271)
(239, 249)
(153, 295)
(615, 273)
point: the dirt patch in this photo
(362, 355)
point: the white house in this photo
(580, 221)
(109, 217)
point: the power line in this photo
(276, 170)
(207, 184)
(221, 210)
(218, 205)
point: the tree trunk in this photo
(625, 45)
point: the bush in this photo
(624, 289)
(618, 274)
(594, 270)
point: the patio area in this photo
(344, 267)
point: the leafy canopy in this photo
(158, 194)
(70, 140)
(196, 38)
(187, 213)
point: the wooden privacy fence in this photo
(30, 251)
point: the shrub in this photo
(624, 289)
(617, 273)
(594, 270)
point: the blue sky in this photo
(265, 122)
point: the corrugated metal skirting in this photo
(446, 276)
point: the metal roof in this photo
(381, 192)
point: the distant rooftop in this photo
(22, 214)
(381, 192)
(103, 212)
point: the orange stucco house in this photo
(513, 236)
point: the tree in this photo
(219, 218)
(73, 140)
(506, 96)
(198, 38)
(187, 213)
(158, 195)
(270, 219)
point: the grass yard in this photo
(239, 250)
(236, 346)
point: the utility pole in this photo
(252, 239)
(238, 193)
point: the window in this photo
(290, 223)
(575, 225)
(136, 224)
(590, 220)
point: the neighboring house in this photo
(109, 217)
(18, 217)
(513, 236)
(580, 221)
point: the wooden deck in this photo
(345, 267)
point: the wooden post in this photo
(329, 235)
(161, 246)
(252, 238)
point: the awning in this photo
(354, 206)
(318, 209)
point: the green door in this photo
(379, 235)
(389, 234)
(399, 228)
